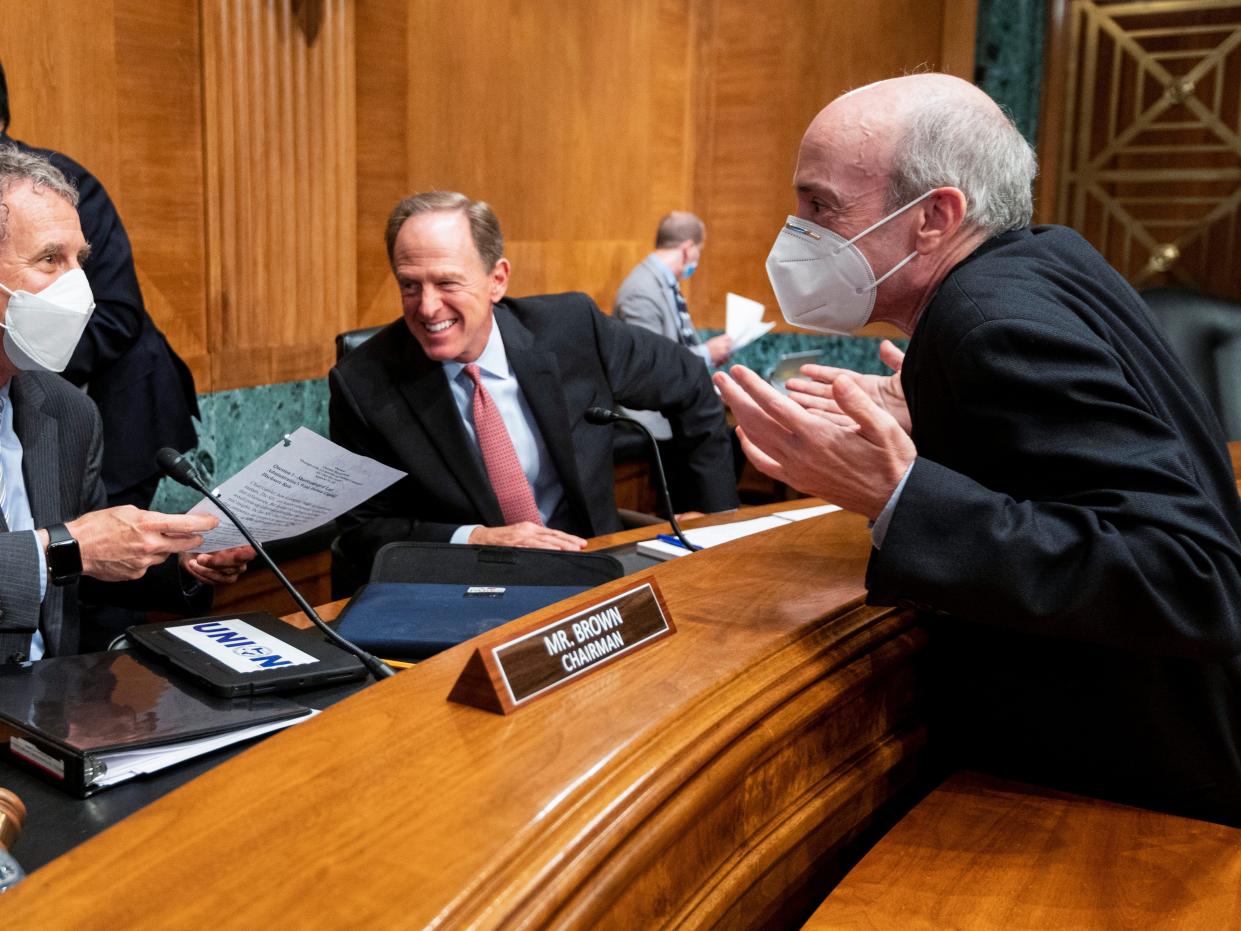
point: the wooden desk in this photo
(983, 853)
(711, 778)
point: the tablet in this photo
(247, 654)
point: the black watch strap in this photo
(64, 559)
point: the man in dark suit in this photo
(1042, 473)
(58, 541)
(481, 398)
(144, 392)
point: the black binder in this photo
(62, 716)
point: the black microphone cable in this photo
(600, 416)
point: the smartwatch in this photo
(64, 559)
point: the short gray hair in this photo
(484, 225)
(677, 227)
(974, 148)
(18, 165)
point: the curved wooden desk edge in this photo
(710, 778)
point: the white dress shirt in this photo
(501, 384)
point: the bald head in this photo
(897, 139)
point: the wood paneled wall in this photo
(255, 147)
(280, 180)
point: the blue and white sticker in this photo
(240, 646)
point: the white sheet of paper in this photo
(292, 488)
(125, 764)
(744, 320)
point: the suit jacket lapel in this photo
(422, 383)
(40, 438)
(539, 377)
(661, 284)
(39, 433)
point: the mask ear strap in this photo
(7, 291)
(894, 269)
(890, 216)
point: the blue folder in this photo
(414, 620)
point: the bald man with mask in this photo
(1040, 471)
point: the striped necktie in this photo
(689, 336)
(508, 480)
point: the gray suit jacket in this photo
(645, 300)
(62, 455)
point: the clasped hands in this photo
(839, 435)
(120, 543)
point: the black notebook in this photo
(90, 721)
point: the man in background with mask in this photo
(1041, 473)
(54, 528)
(650, 297)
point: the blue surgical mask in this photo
(689, 269)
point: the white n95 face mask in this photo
(41, 330)
(822, 281)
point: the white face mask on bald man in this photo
(41, 330)
(823, 281)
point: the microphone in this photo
(182, 471)
(12, 811)
(601, 416)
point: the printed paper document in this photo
(302, 482)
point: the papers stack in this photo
(707, 537)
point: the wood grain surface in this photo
(255, 149)
(710, 779)
(981, 853)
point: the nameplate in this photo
(504, 675)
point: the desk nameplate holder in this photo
(503, 675)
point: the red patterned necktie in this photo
(508, 481)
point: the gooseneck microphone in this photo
(601, 416)
(182, 471)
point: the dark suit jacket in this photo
(644, 299)
(144, 392)
(62, 449)
(1074, 510)
(390, 402)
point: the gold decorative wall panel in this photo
(1150, 150)
(280, 166)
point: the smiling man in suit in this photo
(58, 542)
(481, 398)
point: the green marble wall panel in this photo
(858, 353)
(1008, 57)
(238, 426)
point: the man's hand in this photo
(814, 392)
(526, 534)
(123, 542)
(220, 568)
(719, 348)
(854, 457)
